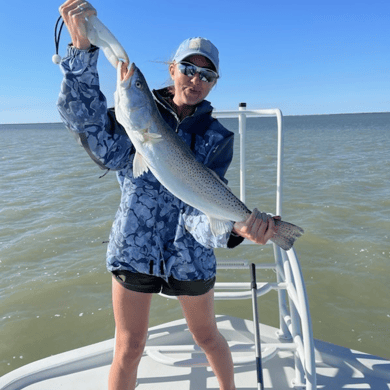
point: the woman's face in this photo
(190, 90)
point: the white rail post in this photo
(242, 131)
(279, 178)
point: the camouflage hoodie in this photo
(153, 232)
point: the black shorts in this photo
(153, 284)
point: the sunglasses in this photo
(206, 75)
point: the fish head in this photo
(134, 103)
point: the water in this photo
(55, 213)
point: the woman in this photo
(157, 243)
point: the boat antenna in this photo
(56, 57)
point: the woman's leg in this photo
(131, 312)
(200, 316)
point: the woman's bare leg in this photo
(131, 312)
(200, 316)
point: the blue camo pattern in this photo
(150, 233)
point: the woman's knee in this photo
(206, 337)
(129, 348)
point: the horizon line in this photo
(289, 115)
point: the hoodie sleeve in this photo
(196, 222)
(83, 109)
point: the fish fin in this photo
(148, 139)
(139, 165)
(286, 235)
(140, 135)
(219, 226)
(151, 139)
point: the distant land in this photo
(61, 126)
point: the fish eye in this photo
(138, 84)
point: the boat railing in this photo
(295, 329)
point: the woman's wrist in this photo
(82, 45)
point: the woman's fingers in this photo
(259, 227)
(271, 229)
(74, 13)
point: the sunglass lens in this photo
(187, 69)
(190, 71)
(207, 76)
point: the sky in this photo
(303, 57)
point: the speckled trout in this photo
(160, 150)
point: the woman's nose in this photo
(195, 78)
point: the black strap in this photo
(113, 127)
(84, 143)
(193, 141)
(58, 36)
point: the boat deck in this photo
(87, 368)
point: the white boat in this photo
(291, 358)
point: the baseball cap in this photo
(198, 46)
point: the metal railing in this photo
(295, 329)
(242, 114)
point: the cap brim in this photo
(190, 53)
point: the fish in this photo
(160, 150)
(99, 35)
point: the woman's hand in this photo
(74, 13)
(259, 227)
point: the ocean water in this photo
(55, 213)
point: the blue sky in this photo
(304, 57)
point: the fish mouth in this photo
(126, 73)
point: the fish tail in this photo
(286, 235)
